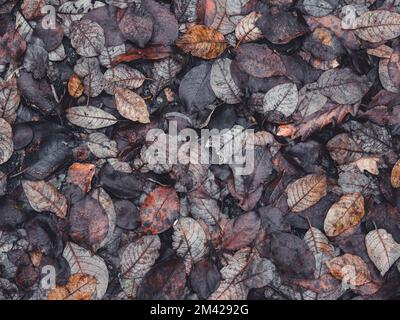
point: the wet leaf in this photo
(344, 214)
(136, 260)
(43, 196)
(222, 82)
(382, 249)
(189, 241)
(165, 281)
(9, 98)
(202, 42)
(246, 30)
(122, 76)
(82, 261)
(282, 98)
(319, 8)
(81, 227)
(87, 37)
(343, 86)
(75, 86)
(259, 61)
(6, 141)
(241, 231)
(90, 117)
(350, 268)
(79, 287)
(195, 89)
(159, 210)
(395, 175)
(131, 106)
(377, 25)
(101, 146)
(81, 174)
(282, 27)
(306, 192)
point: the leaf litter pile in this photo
(83, 209)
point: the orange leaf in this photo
(159, 210)
(203, 42)
(81, 174)
(75, 86)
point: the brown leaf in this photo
(306, 192)
(131, 106)
(43, 196)
(155, 52)
(75, 86)
(159, 210)
(331, 114)
(82, 229)
(344, 214)
(349, 268)
(203, 42)
(395, 175)
(80, 286)
(81, 174)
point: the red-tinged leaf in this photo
(159, 210)
(332, 114)
(241, 231)
(155, 52)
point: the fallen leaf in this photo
(159, 210)
(189, 241)
(82, 261)
(131, 106)
(246, 30)
(6, 141)
(382, 249)
(241, 231)
(155, 52)
(75, 86)
(282, 98)
(136, 260)
(395, 175)
(203, 42)
(87, 37)
(165, 281)
(222, 82)
(306, 192)
(377, 25)
(90, 117)
(43, 196)
(344, 214)
(79, 287)
(350, 269)
(81, 174)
